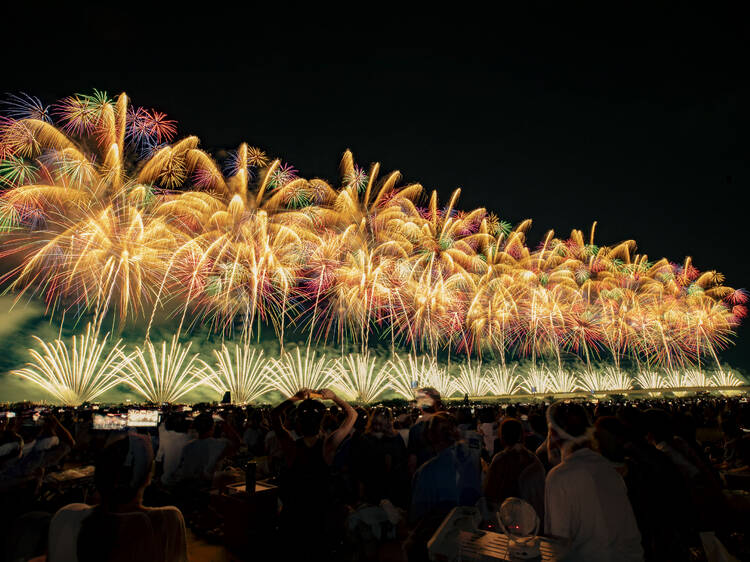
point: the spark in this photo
(244, 373)
(163, 374)
(74, 374)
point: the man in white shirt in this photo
(201, 456)
(585, 498)
(173, 437)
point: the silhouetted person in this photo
(307, 460)
(119, 528)
(586, 500)
(201, 456)
(420, 449)
(515, 471)
(380, 461)
(451, 478)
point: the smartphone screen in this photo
(143, 418)
(110, 422)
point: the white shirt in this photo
(43, 444)
(171, 444)
(199, 458)
(586, 501)
(156, 534)
(488, 431)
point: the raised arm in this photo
(334, 439)
(61, 431)
(285, 438)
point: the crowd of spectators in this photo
(617, 480)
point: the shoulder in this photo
(70, 515)
(73, 509)
(168, 512)
(427, 468)
(558, 473)
(417, 427)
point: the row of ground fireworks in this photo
(101, 212)
(87, 368)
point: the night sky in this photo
(638, 121)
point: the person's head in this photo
(510, 431)
(464, 416)
(658, 425)
(486, 415)
(204, 424)
(538, 424)
(360, 423)
(428, 400)
(309, 416)
(380, 422)
(569, 425)
(176, 422)
(442, 431)
(632, 420)
(402, 421)
(684, 426)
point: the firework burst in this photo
(294, 372)
(74, 374)
(471, 380)
(163, 374)
(107, 211)
(502, 380)
(359, 378)
(243, 373)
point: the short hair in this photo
(204, 423)
(309, 416)
(569, 417)
(442, 428)
(538, 423)
(659, 423)
(486, 415)
(434, 394)
(176, 422)
(511, 431)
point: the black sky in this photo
(636, 120)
